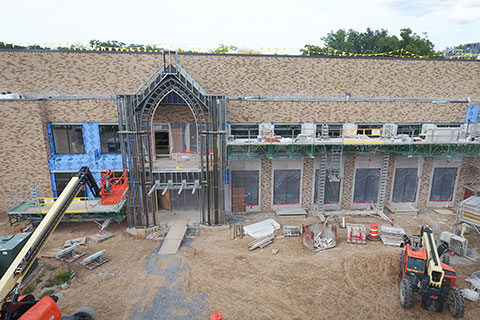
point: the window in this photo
(333, 130)
(244, 189)
(244, 131)
(61, 181)
(109, 139)
(411, 130)
(67, 138)
(370, 130)
(405, 185)
(286, 187)
(415, 264)
(366, 185)
(332, 188)
(443, 184)
(287, 130)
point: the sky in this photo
(284, 26)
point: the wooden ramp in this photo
(174, 237)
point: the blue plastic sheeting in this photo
(473, 114)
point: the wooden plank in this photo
(174, 238)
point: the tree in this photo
(223, 49)
(373, 41)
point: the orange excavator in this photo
(27, 307)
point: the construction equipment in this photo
(27, 307)
(425, 276)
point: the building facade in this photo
(243, 133)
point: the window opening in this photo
(61, 181)
(366, 185)
(332, 188)
(286, 187)
(244, 189)
(287, 130)
(109, 139)
(443, 184)
(68, 138)
(405, 185)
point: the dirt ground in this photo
(212, 273)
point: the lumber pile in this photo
(261, 242)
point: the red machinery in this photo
(112, 187)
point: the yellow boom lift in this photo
(27, 307)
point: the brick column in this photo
(266, 185)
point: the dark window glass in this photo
(68, 138)
(109, 139)
(368, 129)
(366, 185)
(411, 130)
(332, 188)
(61, 181)
(405, 185)
(244, 131)
(287, 130)
(334, 130)
(443, 184)
(287, 187)
(245, 184)
(415, 264)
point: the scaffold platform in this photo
(81, 209)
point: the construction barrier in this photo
(373, 232)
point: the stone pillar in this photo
(348, 176)
(266, 185)
(425, 182)
(307, 184)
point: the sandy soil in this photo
(214, 273)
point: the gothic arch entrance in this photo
(135, 119)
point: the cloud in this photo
(416, 8)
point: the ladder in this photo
(382, 187)
(335, 161)
(324, 130)
(321, 182)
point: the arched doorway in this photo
(137, 131)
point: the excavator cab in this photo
(425, 276)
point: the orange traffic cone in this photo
(373, 232)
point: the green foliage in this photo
(60, 278)
(223, 49)
(373, 41)
(47, 293)
(40, 278)
(29, 289)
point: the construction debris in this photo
(456, 243)
(292, 231)
(99, 237)
(319, 236)
(356, 233)
(285, 212)
(261, 242)
(70, 254)
(392, 236)
(236, 231)
(95, 260)
(275, 251)
(80, 241)
(262, 228)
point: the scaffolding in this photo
(135, 120)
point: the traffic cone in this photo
(373, 232)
